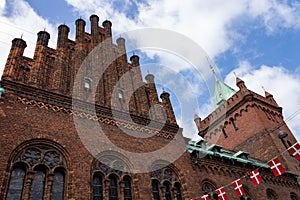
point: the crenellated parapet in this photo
(118, 84)
(240, 102)
(248, 122)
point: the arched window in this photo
(58, 186)
(97, 187)
(294, 196)
(165, 181)
(208, 187)
(87, 84)
(41, 160)
(178, 191)
(113, 188)
(127, 188)
(168, 194)
(155, 190)
(271, 195)
(38, 184)
(116, 181)
(16, 184)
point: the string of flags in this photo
(255, 176)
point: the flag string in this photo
(247, 175)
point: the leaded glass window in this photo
(97, 187)
(58, 186)
(168, 194)
(127, 189)
(38, 185)
(113, 188)
(48, 160)
(271, 195)
(16, 184)
(155, 190)
(178, 191)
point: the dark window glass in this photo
(38, 184)
(178, 191)
(127, 189)
(294, 196)
(113, 190)
(16, 183)
(270, 195)
(207, 188)
(168, 194)
(155, 190)
(58, 186)
(97, 187)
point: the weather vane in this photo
(212, 68)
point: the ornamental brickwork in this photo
(44, 157)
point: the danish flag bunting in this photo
(255, 177)
(276, 167)
(205, 197)
(238, 187)
(221, 194)
(295, 151)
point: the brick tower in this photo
(247, 121)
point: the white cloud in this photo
(211, 24)
(282, 84)
(276, 14)
(2, 6)
(21, 21)
(206, 22)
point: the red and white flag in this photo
(255, 177)
(295, 151)
(276, 167)
(205, 197)
(221, 194)
(238, 187)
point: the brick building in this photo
(70, 114)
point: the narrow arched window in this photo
(271, 195)
(178, 191)
(294, 196)
(87, 84)
(113, 188)
(155, 190)
(127, 189)
(58, 186)
(16, 183)
(97, 187)
(168, 194)
(38, 185)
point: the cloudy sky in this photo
(259, 40)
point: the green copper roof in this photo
(221, 94)
(214, 150)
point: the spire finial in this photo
(212, 68)
(234, 74)
(22, 36)
(263, 88)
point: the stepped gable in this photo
(70, 69)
